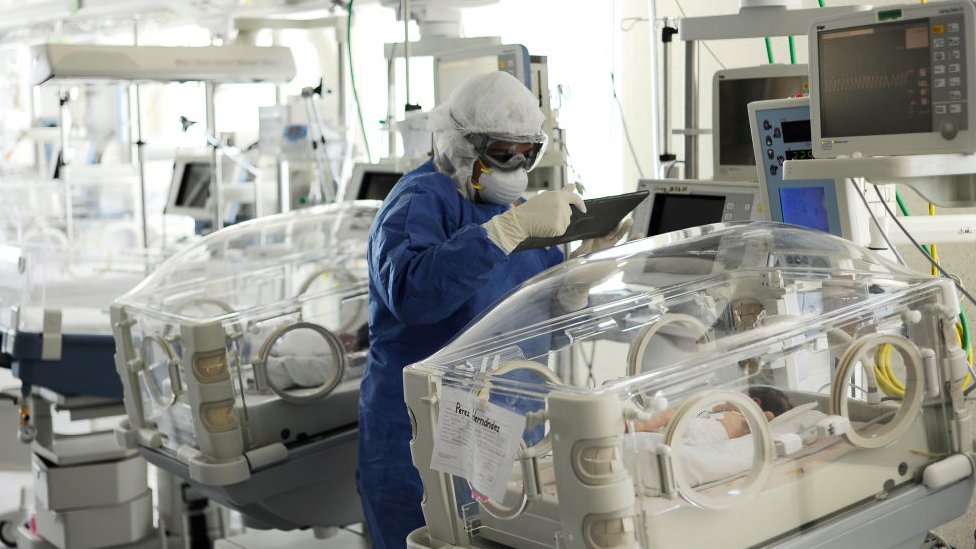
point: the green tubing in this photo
(792, 52)
(901, 204)
(965, 329)
(769, 50)
(904, 211)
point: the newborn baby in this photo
(724, 421)
(715, 445)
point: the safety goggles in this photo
(506, 155)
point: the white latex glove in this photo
(543, 215)
(606, 241)
(574, 293)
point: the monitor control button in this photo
(948, 130)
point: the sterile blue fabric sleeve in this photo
(432, 267)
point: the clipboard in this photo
(602, 216)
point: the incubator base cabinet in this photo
(241, 358)
(898, 522)
(56, 337)
(87, 492)
(733, 385)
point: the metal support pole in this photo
(141, 159)
(141, 155)
(215, 171)
(281, 166)
(665, 135)
(691, 109)
(341, 46)
(391, 107)
(406, 47)
(659, 142)
(64, 113)
(667, 40)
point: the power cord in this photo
(623, 122)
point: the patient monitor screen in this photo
(194, 186)
(673, 212)
(376, 185)
(875, 79)
(735, 134)
(805, 206)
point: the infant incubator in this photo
(733, 385)
(241, 358)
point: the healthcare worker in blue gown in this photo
(441, 251)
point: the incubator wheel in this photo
(861, 352)
(762, 443)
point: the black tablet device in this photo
(602, 216)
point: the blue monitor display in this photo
(805, 206)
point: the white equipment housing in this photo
(232, 63)
(895, 80)
(781, 132)
(676, 204)
(732, 91)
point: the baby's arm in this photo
(735, 423)
(732, 421)
(656, 422)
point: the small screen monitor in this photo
(805, 206)
(676, 204)
(895, 80)
(376, 185)
(372, 181)
(189, 192)
(782, 133)
(734, 90)
(673, 212)
(893, 97)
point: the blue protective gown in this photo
(432, 270)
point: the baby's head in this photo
(770, 399)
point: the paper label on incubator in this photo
(478, 445)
